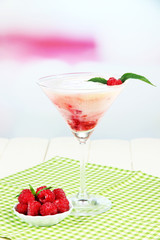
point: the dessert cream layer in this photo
(81, 103)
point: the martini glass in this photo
(82, 104)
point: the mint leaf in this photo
(135, 76)
(32, 190)
(98, 79)
(123, 78)
(42, 190)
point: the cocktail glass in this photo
(82, 104)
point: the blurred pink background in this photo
(39, 38)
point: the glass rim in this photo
(42, 81)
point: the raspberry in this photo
(40, 188)
(59, 193)
(48, 208)
(46, 196)
(26, 196)
(62, 205)
(118, 82)
(113, 81)
(22, 208)
(33, 208)
(78, 124)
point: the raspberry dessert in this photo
(82, 99)
(81, 103)
(42, 202)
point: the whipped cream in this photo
(73, 82)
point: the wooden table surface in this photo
(18, 154)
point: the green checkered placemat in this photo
(135, 212)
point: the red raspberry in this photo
(33, 208)
(113, 81)
(62, 205)
(26, 196)
(48, 208)
(59, 193)
(118, 82)
(40, 188)
(46, 196)
(22, 208)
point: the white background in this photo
(128, 37)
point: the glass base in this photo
(92, 205)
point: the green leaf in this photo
(32, 190)
(98, 79)
(135, 76)
(42, 190)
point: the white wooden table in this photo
(139, 154)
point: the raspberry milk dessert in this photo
(82, 99)
(81, 103)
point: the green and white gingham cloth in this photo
(135, 212)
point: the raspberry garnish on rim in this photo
(113, 81)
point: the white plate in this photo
(40, 221)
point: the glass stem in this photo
(84, 154)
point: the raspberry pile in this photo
(42, 202)
(113, 81)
